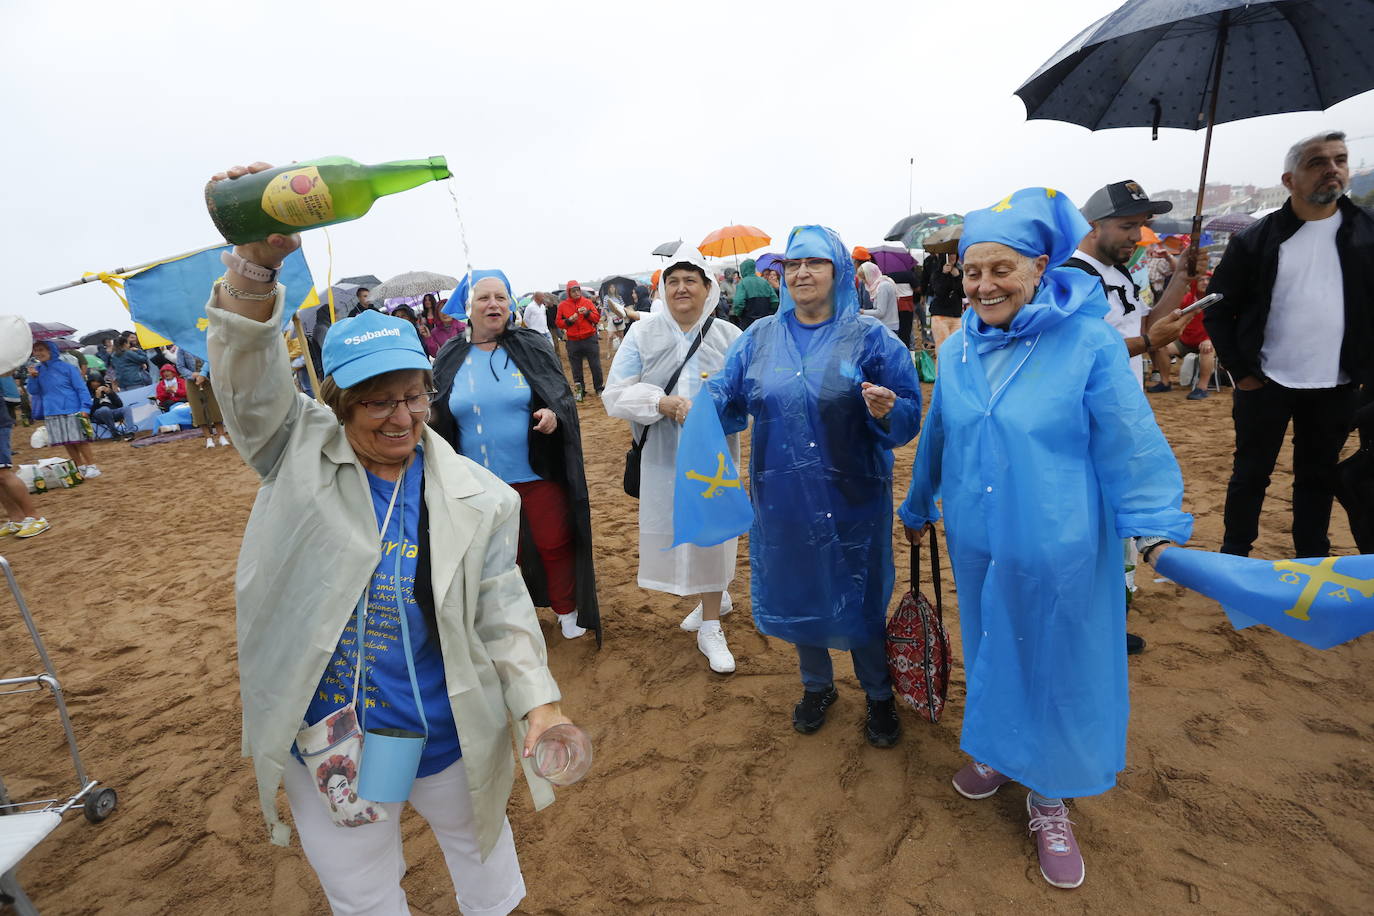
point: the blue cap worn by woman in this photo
(1044, 454)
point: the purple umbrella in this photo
(891, 259)
(768, 261)
(64, 344)
(1229, 222)
(49, 330)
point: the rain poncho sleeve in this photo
(652, 350)
(820, 548)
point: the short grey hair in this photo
(1290, 162)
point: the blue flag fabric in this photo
(1322, 602)
(710, 505)
(170, 298)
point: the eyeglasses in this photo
(380, 410)
(813, 265)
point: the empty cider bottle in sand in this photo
(304, 195)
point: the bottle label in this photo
(299, 197)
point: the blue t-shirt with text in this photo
(491, 402)
(386, 700)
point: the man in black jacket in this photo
(1295, 330)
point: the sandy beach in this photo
(1249, 785)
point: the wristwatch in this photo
(245, 268)
(1148, 545)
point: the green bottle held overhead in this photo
(304, 195)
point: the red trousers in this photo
(545, 504)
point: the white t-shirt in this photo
(536, 319)
(1126, 323)
(1302, 337)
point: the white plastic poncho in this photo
(654, 347)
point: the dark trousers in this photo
(588, 349)
(1321, 421)
(904, 327)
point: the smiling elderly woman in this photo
(657, 371)
(831, 393)
(1044, 453)
(366, 520)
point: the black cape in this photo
(556, 457)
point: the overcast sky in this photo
(581, 135)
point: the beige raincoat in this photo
(310, 549)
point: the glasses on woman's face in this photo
(380, 410)
(812, 265)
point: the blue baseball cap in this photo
(356, 349)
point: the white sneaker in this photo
(711, 642)
(568, 622)
(692, 622)
(224, 440)
(209, 442)
(90, 471)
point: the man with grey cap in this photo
(1117, 213)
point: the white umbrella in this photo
(414, 283)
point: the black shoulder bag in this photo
(631, 479)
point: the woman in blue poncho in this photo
(831, 392)
(1044, 454)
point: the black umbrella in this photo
(367, 280)
(621, 287)
(906, 224)
(668, 249)
(1228, 222)
(1198, 63)
(95, 337)
(1170, 226)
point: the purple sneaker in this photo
(978, 781)
(1061, 863)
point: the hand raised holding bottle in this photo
(271, 251)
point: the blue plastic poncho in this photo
(1040, 476)
(820, 549)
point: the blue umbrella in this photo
(1198, 63)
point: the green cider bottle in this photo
(305, 195)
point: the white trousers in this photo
(360, 868)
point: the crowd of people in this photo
(439, 470)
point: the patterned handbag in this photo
(918, 654)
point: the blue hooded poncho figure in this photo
(1044, 454)
(820, 549)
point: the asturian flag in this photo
(710, 505)
(170, 298)
(1322, 602)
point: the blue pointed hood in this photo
(458, 303)
(1034, 222)
(821, 242)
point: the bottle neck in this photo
(404, 174)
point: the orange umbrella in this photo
(1147, 236)
(733, 240)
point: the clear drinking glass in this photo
(563, 754)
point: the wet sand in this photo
(1249, 785)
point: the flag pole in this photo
(305, 351)
(93, 278)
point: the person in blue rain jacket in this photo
(831, 393)
(1044, 454)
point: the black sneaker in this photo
(1134, 644)
(881, 725)
(809, 714)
